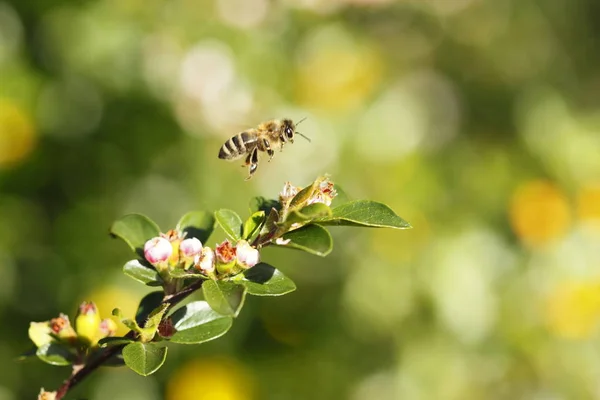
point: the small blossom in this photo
(288, 192)
(40, 333)
(324, 194)
(225, 252)
(206, 261)
(61, 327)
(247, 255)
(87, 322)
(190, 247)
(46, 395)
(189, 250)
(157, 250)
(108, 327)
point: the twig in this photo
(109, 352)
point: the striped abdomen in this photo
(238, 145)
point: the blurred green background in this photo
(478, 121)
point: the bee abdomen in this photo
(236, 146)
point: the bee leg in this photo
(268, 149)
(282, 139)
(253, 162)
(248, 160)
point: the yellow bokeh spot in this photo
(588, 203)
(17, 134)
(573, 310)
(539, 212)
(211, 379)
(333, 78)
(108, 298)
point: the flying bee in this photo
(268, 137)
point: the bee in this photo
(268, 137)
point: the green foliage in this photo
(135, 230)
(56, 354)
(224, 297)
(252, 226)
(230, 222)
(311, 238)
(265, 280)
(179, 265)
(197, 322)
(198, 224)
(144, 358)
(365, 213)
(142, 273)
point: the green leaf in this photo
(27, 354)
(263, 204)
(226, 298)
(183, 274)
(265, 280)
(252, 225)
(148, 304)
(144, 358)
(230, 222)
(311, 238)
(197, 322)
(365, 213)
(148, 332)
(270, 225)
(55, 354)
(114, 341)
(135, 230)
(198, 224)
(142, 273)
(309, 213)
(304, 195)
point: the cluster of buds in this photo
(172, 250)
(89, 328)
(232, 259)
(324, 192)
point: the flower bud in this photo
(157, 251)
(108, 327)
(39, 333)
(247, 256)
(62, 328)
(87, 323)
(166, 328)
(205, 262)
(188, 250)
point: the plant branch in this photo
(109, 352)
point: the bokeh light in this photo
(476, 120)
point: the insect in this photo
(268, 137)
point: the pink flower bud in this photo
(206, 261)
(225, 252)
(247, 255)
(190, 247)
(108, 327)
(157, 250)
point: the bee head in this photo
(289, 129)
